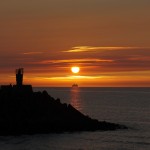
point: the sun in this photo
(75, 69)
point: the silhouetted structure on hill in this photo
(23, 111)
(19, 76)
(19, 88)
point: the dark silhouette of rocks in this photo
(23, 111)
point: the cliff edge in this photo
(38, 112)
(23, 111)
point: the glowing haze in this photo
(107, 39)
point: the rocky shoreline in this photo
(24, 112)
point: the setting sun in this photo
(75, 69)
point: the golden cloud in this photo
(94, 49)
(32, 53)
(70, 77)
(75, 60)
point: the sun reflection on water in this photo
(75, 98)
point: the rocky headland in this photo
(23, 111)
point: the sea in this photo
(127, 106)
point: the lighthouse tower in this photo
(19, 88)
(19, 77)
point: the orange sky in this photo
(107, 39)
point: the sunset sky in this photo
(108, 39)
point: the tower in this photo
(19, 76)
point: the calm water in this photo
(129, 106)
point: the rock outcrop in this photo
(28, 112)
(23, 111)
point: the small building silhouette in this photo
(19, 88)
(19, 76)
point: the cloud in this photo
(112, 59)
(83, 60)
(70, 77)
(95, 49)
(32, 53)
